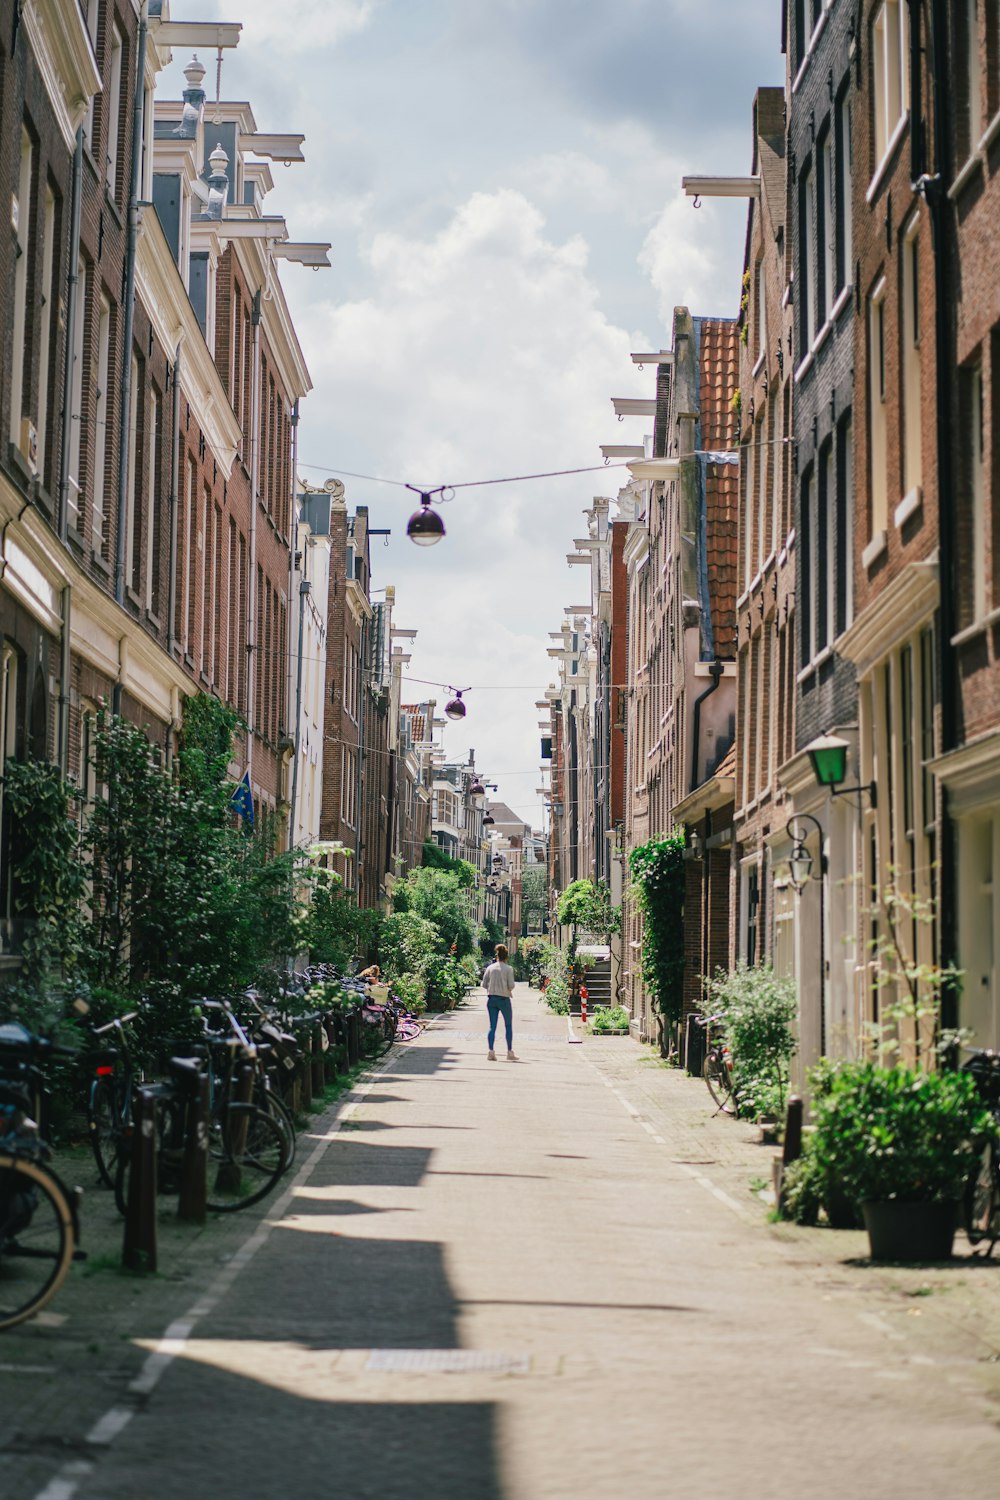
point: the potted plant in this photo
(902, 1144)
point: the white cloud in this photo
(303, 25)
(480, 352)
(693, 258)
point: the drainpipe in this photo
(252, 568)
(715, 672)
(128, 307)
(933, 190)
(175, 467)
(72, 285)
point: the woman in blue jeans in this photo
(498, 982)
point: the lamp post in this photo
(800, 868)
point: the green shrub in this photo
(529, 960)
(759, 1009)
(657, 868)
(609, 1018)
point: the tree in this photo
(587, 907)
(534, 895)
(657, 868)
(441, 897)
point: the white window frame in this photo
(911, 371)
(890, 75)
(114, 112)
(133, 432)
(22, 252)
(809, 194)
(878, 425)
(828, 249)
(73, 486)
(843, 124)
(45, 327)
(152, 498)
(977, 491)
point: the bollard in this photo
(194, 1167)
(583, 1005)
(792, 1148)
(330, 1055)
(305, 1073)
(319, 1053)
(139, 1240)
(230, 1171)
(353, 1038)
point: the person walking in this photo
(498, 982)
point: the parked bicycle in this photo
(717, 1069)
(982, 1197)
(39, 1216)
(109, 1100)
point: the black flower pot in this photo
(910, 1231)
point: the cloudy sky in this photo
(500, 181)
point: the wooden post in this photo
(353, 1038)
(194, 1168)
(139, 1241)
(230, 1173)
(330, 1055)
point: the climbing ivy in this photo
(657, 868)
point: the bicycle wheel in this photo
(36, 1238)
(982, 1199)
(272, 1104)
(374, 1043)
(247, 1154)
(102, 1122)
(719, 1080)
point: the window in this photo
(971, 126)
(822, 556)
(890, 73)
(808, 258)
(912, 465)
(844, 531)
(114, 98)
(9, 664)
(761, 322)
(878, 457)
(973, 381)
(807, 572)
(73, 485)
(777, 469)
(153, 505)
(47, 329)
(93, 13)
(101, 419)
(845, 175)
(760, 454)
(131, 550)
(827, 226)
(22, 250)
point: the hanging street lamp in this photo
(425, 527)
(455, 708)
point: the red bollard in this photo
(583, 1004)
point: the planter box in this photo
(910, 1231)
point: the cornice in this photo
(970, 773)
(58, 37)
(174, 322)
(896, 613)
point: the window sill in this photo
(976, 628)
(965, 176)
(990, 134)
(908, 507)
(818, 661)
(759, 365)
(804, 366)
(878, 544)
(822, 336)
(882, 170)
(841, 302)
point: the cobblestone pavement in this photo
(497, 1281)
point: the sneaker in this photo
(513, 1057)
(491, 1056)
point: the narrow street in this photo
(483, 1266)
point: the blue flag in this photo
(242, 800)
